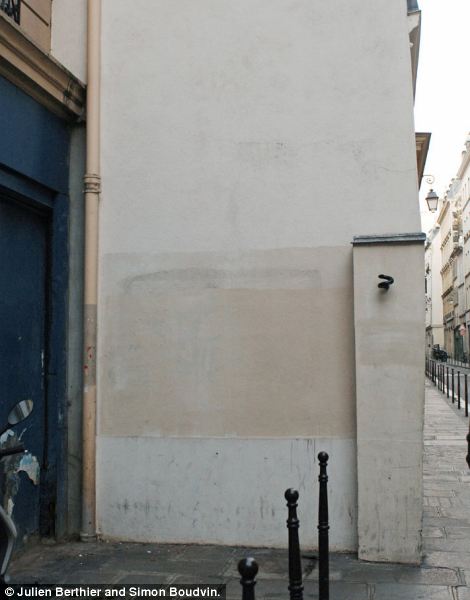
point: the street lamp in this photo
(432, 200)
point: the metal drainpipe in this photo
(92, 185)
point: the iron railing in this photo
(454, 384)
(12, 8)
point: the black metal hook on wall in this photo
(384, 285)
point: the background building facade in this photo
(433, 290)
(449, 223)
(453, 221)
(464, 175)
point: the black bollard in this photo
(453, 387)
(468, 450)
(466, 395)
(296, 589)
(458, 389)
(248, 568)
(323, 528)
(447, 384)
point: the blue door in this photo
(34, 205)
(24, 353)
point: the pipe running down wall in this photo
(92, 187)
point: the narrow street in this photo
(443, 575)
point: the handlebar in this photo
(19, 449)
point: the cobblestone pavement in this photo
(443, 575)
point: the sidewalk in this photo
(443, 575)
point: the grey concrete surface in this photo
(443, 575)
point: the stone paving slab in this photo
(463, 593)
(416, 592)
(442, 576)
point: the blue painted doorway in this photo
(34, 247)
(24, 352)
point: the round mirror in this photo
(20, 411)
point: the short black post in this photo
(248, 567)
(458, 389)
(453, 400)
(296, 589)
(447, 384)
(468, 451)
(323, 528)
(441, 387)
(466, 395)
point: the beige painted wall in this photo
(35, 21)
(217, 144)
(389, 338)
(243, 145)
(218, 345)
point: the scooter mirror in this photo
(20, 411)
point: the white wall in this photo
(69, 35)
(243, 145)
(222, 490)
